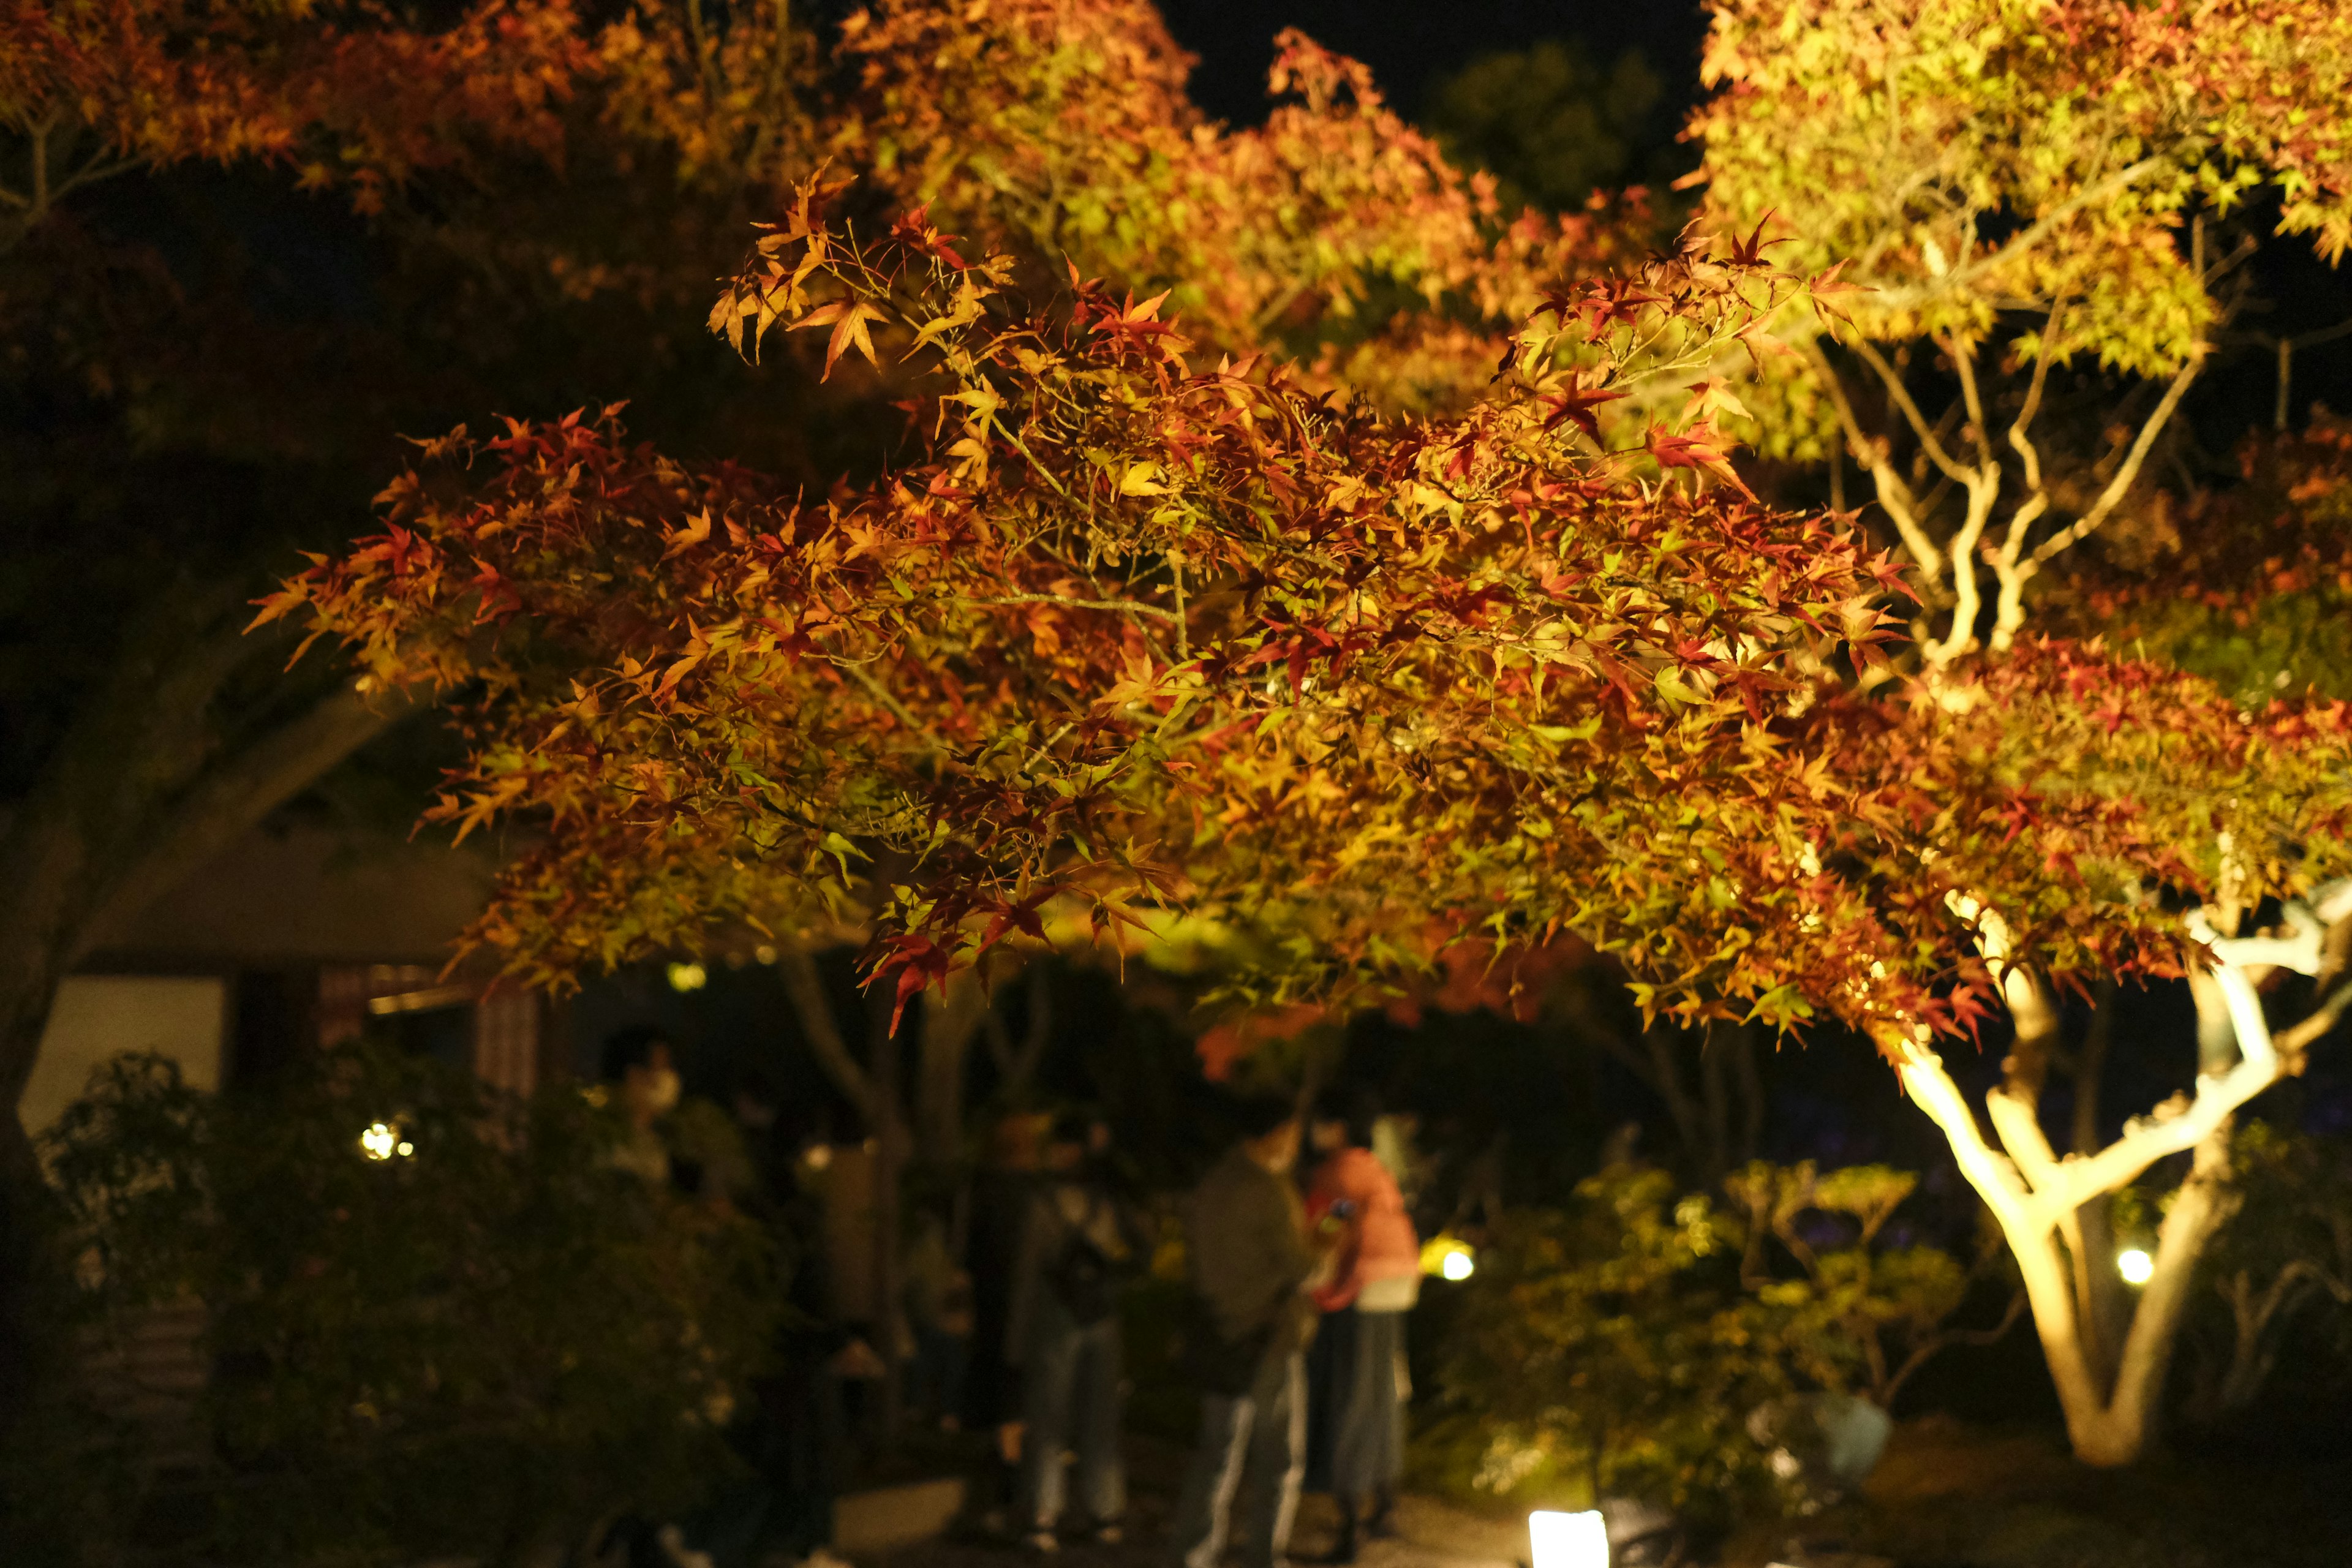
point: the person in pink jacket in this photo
(1357, 1386)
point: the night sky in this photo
(1410, 43)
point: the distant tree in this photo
(2282, 1270)
(1863, 1309)
(2020, 188)
(1554, 128)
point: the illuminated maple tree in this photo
(1133, 635)
(2044, 207)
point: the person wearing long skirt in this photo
(1356, 1448)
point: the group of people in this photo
(1294, 1337)
(1293, 1332)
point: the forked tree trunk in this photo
(2111, 1389)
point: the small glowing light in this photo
(1568, 1540)
(406, 1149)
(379, 1141)
(817, 1156)
(2135, 1265)
(764, 954)
(687, 977)
(1447, 1257)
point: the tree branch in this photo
(2149, 1138)
(806, 987)
(2009, 612)
(1994, 1177)
(1945, 1340)
(1963, 360)
(1918, 421)
(2027, 238)
(1894, 497)
(2083, 527)
(239, 794)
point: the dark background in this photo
(1410, 43)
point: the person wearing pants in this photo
(1251, 1266)
(1359, 1448)
(1077, 1246)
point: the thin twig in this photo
(1121, 606)
(2026, 240)
(1902, 395)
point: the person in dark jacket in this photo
(791, 1434)
(1252, 1268)
(1079, 1244)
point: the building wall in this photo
(99, 1016)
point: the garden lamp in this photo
(1568, 1540)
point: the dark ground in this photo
(1946, 1496)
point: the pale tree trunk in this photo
(950, 1021)
(2259, 1315)
(149, 782)
(890, 1129)
(2256, 1316)
(2110, 1392)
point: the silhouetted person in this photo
(1252, 1265)
(1077, 1248)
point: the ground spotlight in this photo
(1568, 1540)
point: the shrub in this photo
(475, 1332)
(1609, 1348)
(1617, 1347)
(2278, 1280)
(1856, 1308)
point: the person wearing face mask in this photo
(639, 1073)
(688, 1143)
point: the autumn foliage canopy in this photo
(1191, 611)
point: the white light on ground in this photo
(1457, 1268)
(2135, 1265)
(1568, 1540)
